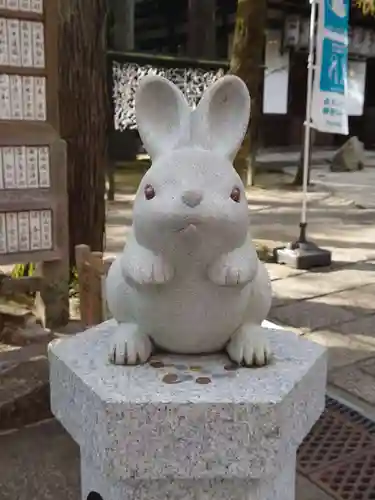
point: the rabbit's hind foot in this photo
(129, 346)
(249, 346)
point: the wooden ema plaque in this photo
(32, 156)
(33, 191)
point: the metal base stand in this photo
(302, 254)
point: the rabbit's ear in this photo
(222, 115)
(162, 113)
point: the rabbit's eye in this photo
(149, 192)
(236, 194)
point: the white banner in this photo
(329, 111)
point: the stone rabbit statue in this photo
(189, 280)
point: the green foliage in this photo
(23, 270)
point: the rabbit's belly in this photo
(192, 320)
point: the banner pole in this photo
(301, 253)
(307, 144)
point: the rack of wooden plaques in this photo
(33, 194)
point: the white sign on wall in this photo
(356, 87)
(276, 75)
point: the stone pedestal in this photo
(186, 427)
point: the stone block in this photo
(187, 426)
(349, 157)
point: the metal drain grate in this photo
(330, 440)
(339, 453)
(352, 415)
(351, 479)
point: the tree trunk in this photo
(84, 114)
(247, 63)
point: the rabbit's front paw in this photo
(129, 346)
(226, 273)
(249, 347)
(150, 270)
(161, 271)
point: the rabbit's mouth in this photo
(187, 224)
(188, 228)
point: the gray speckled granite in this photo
(277, 487)
(140, 436)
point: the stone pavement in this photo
(334, 308)
(357, 186)
(285, 157)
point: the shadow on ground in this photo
(39, 463)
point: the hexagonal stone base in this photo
(277, 487)
(187, 426)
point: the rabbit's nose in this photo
(192, 198)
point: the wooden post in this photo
(92, 271)
(106, 265)
(82, 254)
(96, 306)
(123, 30)
(201, 29)
(55, 273)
